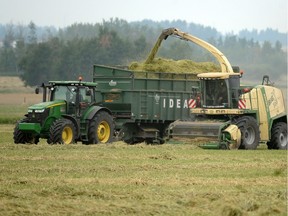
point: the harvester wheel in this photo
(250, 134)
(22, 138)
(101, 128)
(62, 131)
(278, 136)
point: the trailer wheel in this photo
(129, 134)
(62, 131)
(250, 134)
(22, 138)
(101, 128)
(278, 136)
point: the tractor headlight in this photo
(39, 111)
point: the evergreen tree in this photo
(32, 36)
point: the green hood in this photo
(45, 105)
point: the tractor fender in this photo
(77, 126)
(95, 109)
(235, 135)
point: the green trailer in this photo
(143, 104)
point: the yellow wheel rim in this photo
(67, 135)
(103, 132)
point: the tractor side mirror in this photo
(266, 81)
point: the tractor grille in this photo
(35, 117)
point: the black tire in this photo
(62, 131)
(278, 136)
(101, 128)
(21, 137)
(250, 134)
(129, 134)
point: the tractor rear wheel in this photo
(62, 131)
(21, 137)
(278, 136)
(250, 134)
(101, 128)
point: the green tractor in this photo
(68, 113)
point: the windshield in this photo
(62, 93)
(68, 93)
(216, 93)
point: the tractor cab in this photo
(76, 95)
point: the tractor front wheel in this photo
(21, 137)
(62, 131)
(250, 133)
(101, 128)
(278, 136)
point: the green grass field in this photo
(120, 179)
(10, 114)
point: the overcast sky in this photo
(225, 15)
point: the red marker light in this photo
(245, 90)
(80, 78)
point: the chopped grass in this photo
(180, 66)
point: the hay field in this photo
(119, 179)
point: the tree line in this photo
(66, 53)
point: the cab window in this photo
(216, 93)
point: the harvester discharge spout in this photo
(223, 61)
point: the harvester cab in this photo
(68, 113)
(219, 90)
